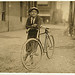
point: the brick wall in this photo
(12, 16)
(3, 24)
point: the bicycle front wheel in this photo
(50, 46)
(32, 56)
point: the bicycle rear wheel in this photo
(31, 59)
(50, 46)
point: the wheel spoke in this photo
(50, 46)
(34, 55)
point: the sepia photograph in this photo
(37, 36)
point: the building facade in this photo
(46, 10)
(13, 15)
(72, 19)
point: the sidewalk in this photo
(58, 26)
(63, 60)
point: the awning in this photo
(44, 14)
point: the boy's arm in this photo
(27, 24)
(37, 26)
(40, 21)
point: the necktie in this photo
(32, 20)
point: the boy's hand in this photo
(34, 25)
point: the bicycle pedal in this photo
(36, 54)
(24, 58)
(31, 62)
(44, 51)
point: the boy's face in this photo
(33, 13)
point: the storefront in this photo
(46, 18)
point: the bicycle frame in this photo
(45, 42)
(38, 38)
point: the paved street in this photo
(64, 55)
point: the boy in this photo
(33, 22)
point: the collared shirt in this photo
(32, 20)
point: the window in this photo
(21, 11)
(28, 5)
(4, 11)
(35, 4)
(42, 3)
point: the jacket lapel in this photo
(36, 20)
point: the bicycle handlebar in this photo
(29, 29)
(44, 27)
(37, 29)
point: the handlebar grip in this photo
(29, 29)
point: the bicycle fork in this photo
(45, 44)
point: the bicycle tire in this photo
(50, 51)
(23, 50)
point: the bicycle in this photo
(35, 54)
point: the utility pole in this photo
(73, 26)
(70, 18)
(8, 16)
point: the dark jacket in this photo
(33, 32)
(38, 21)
